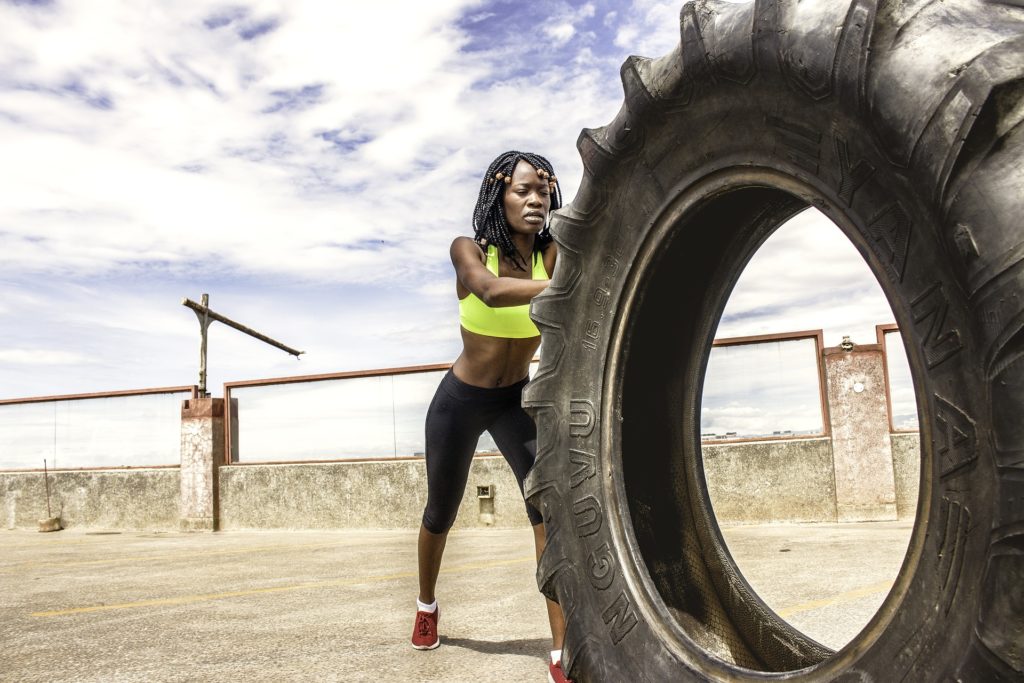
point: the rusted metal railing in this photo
(191, 391)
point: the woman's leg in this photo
(516, 437)
(555, 618)
(430, 548)
(453, 427)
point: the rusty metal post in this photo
(204, 443)
(206, 316)
(204, 326)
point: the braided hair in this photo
(489, 221)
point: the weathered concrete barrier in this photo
(906, 463)
(379, 494)
(143, 499)
(861, 445)
(202, 451)
(749, 483)
(772, 481)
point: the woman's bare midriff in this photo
(494, 361)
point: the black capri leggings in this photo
(457, 417)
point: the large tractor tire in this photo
(900, 121)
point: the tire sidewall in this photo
(811, 150)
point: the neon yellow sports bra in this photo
(512, 322)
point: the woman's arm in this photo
(496, 292)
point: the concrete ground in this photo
(338, 605)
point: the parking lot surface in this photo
(339, 605)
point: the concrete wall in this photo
(906, 463)
(771, 481)
(144, 499)
(749, 483)
(861, 448)
(202, 451)
(380, 494)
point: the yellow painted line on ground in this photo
(334, 583)
(175, 556)
(848, 596)
(49, 542)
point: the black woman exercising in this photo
(498, 272)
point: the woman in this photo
(498, 272)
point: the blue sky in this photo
(307, 164)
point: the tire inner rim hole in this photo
(732, 604)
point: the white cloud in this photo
(627, 36)
(184, 168)
(41, 357)
(650, 29)
(561, 27)
(806, 276)
(560, 33)
(311, 179)
(97, 187)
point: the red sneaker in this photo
(556, 675)
(424, 633)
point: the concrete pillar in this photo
(202, 452)
(861, 448)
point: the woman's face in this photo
(527, 200)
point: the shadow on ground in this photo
(531, 647)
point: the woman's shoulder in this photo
(467, 247)
(465, 241)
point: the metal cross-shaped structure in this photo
(206, 316)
